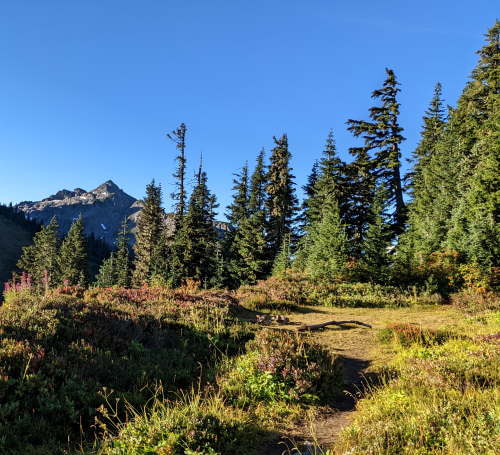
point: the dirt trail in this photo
(360, 351)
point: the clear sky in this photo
(90, 87)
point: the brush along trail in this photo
(362, 355)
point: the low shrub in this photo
(283, 366)
(407, 334)
(62, 359)
(292, 288)
(471, 301)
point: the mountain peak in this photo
(108, 186)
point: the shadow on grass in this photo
(65, 364)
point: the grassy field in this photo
(159, 371)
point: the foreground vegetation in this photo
(439, 392)
(188, 371)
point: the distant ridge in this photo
(103, 209)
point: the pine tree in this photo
(454, 207)
(331, 181)
(283, 260)
(148, 236)
(327, 246)
(383, 136)
(248, 252)
(107, 276)
(305, 215)
(72, 257)
(178, 136)
(122, 256)
(431, 164)
(239, 208)
(198, 236)
(281, 200)
(434, 122)
(40, 259)
(360, 183)
(258, 184)
(375, 260)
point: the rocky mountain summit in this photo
(102, 209)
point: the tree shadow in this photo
(74, 364)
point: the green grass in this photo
(442, 398)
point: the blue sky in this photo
(89, 88)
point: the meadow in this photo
(191, 371)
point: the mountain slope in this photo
(14, 234)
(103, 209)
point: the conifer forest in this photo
(356, 312)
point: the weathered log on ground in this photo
(305, 327)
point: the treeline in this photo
(361, 220)
(54, 261)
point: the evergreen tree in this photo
(258, 184)
(198, 235)
(331, 181)
(383, 136)
(150, 226)
(72, 257)
(122, 256)
(40, 259)
(305, 215)
(434, 122)
(360, 184)
(281, 200)
(283, 260)
(454, 206)
(327, 246)
(248, 253)
(107, 275)
(250, 261)
(178, 136)
(238, 209)
(431, 165)
(375, 260)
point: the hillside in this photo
(14, 234)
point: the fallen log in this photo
(305, 327)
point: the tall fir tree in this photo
(40, 259)
(72, 257)
(281, 201)
(331, 181)
(106, 277)
(360, 183)
(305, 216)
(248, 252)
(383, 136)
(327, 252)
(375, 260)
(258, 184)
(239, 208)
(459, 208)
(122, 256)
(178, 136)
(198, 235)
(150, 226)
(434, 122)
